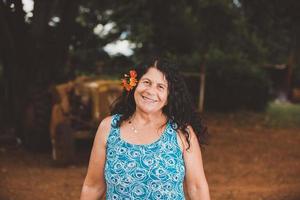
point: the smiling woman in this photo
(151, 143)
(151, 93)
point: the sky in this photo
(120, 46)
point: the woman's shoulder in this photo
(109, 121)
(181, 136)
(106, 122)
(105, 126)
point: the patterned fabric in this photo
(139, 172)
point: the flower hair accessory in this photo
(129, 81)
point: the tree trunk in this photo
(14, 58)
(33, 59)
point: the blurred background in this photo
(61, 62)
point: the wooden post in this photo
(202, 86)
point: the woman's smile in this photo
(149, 99)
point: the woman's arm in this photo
(196, 183)
(94, 186)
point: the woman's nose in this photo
(151, 90)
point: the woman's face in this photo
(151, 93)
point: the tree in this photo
(277, 25)
(33, 55)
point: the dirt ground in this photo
(245, 160)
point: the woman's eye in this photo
(146, 82)
(161, 87)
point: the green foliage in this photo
(252, 33)
(275, 23)
(174, 27)
(259, 32)
(233, 83)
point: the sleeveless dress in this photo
(140, 172)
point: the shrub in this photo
(232, 84)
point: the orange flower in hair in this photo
(129, 81)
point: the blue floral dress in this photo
(139, 172)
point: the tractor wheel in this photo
(63, 145)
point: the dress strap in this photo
(114, 121)
(172, 133)
(114, 129)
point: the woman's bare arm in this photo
(94, 186)
(196, 183)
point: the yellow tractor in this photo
(78, 108)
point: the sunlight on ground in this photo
(283, 115)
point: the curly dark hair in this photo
(179, 109)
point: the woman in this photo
(150, 145)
